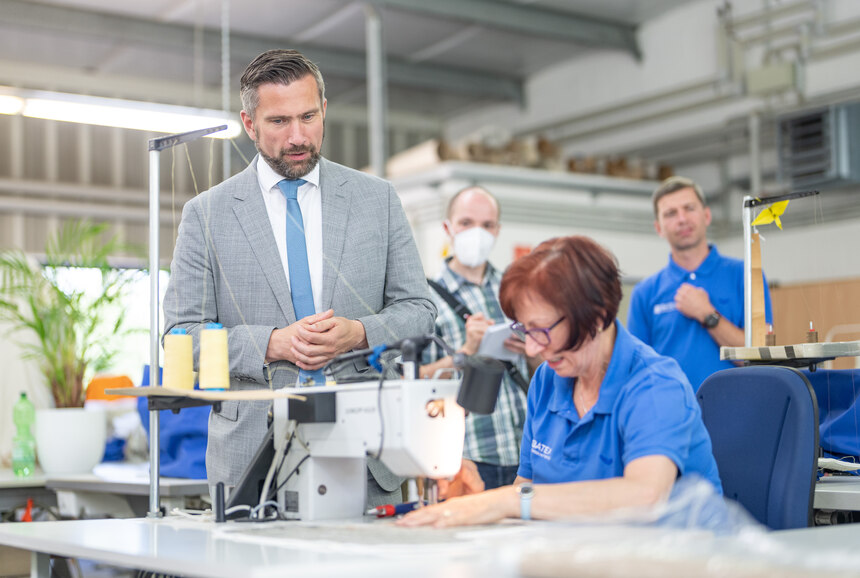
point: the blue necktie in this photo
(297, 258)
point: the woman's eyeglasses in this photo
(540, 335)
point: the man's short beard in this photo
(686, 246)
(291, 169)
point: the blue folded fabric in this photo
(114, 450)
(181, 436)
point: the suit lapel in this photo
(335, 209)
(250, 211)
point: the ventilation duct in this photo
(820, 148)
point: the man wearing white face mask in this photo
(469, 281)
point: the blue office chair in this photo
(838, 394)
(763, 422)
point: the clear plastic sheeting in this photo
(696, 532)
(692, 505)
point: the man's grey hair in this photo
(675, 184)
(280, 66)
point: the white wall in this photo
(680, 48)
(638, 255)
(820, 252)
(677, 49)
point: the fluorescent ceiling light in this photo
(10, 104)
(118, 113)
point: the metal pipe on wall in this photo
(657, 97)
(376, 92)
(564, 129)
(226, 169)
(771, 12)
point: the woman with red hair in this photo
(610, 423)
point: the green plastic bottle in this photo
(23, 445)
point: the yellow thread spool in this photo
(178, 360)
(214, 360)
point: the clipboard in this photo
(493, 343)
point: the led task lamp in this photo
(114, 112)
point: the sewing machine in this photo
(318, 469)
(416, 427)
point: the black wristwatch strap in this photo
(711, 320)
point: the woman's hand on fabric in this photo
(483, 508)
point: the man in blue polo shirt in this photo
(695, 305)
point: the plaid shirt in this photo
(495, 438)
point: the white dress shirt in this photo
(310, 201)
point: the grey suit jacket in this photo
(226, 269)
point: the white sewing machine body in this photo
(324, 474)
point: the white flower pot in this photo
(70, 440)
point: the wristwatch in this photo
(526, 491)
(711, 320)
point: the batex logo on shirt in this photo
(662, 308)
(541, 450)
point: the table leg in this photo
(40, 565)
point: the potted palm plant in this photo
(70, 333)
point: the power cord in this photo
(290, 475)
(385, 367)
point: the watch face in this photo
(712, 320)
(525, 490)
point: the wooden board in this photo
(833, 306)
(758, 320)
(206, 394)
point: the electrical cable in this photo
(290, 475)
(255, 514)
(283, 458)
(276, 466)
(385, 367)
(238, 508)
(264, 493)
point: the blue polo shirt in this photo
(646, 407)
(653, 318)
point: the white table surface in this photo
(14, 491)
(364, 549)
(128, 481)
(129, 485)
(823, 539)
(9, 480)
(837, 493)
(191, 548)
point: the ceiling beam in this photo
(171, 37)
(530, 19)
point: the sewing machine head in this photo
(414, 427)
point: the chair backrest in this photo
(763, 422)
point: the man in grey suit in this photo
(233, 263)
